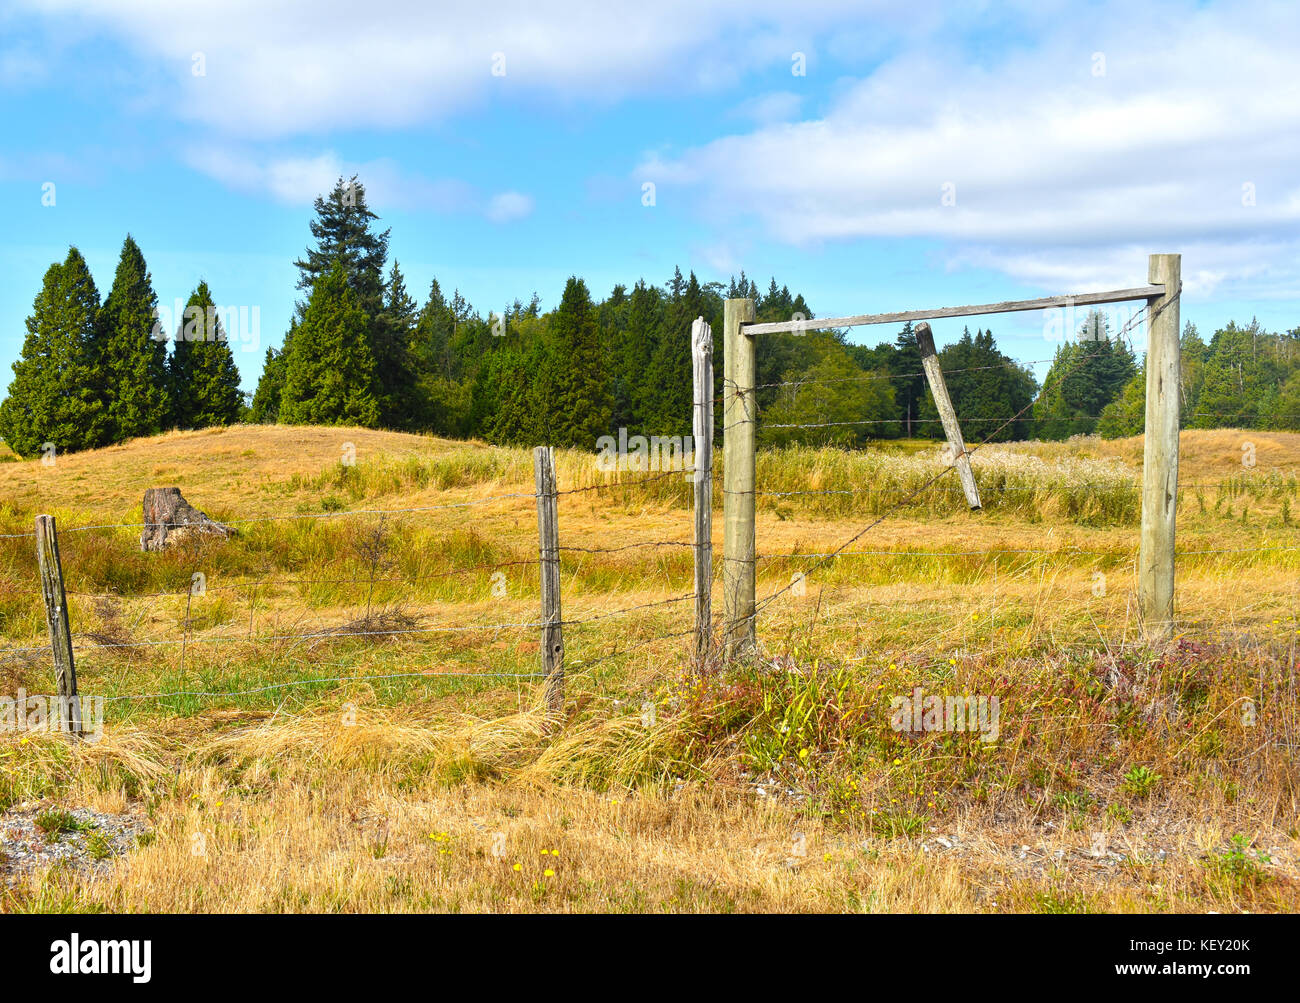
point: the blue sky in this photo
(1076, 138)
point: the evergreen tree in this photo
(395, 331)
(1287, 413)
(343, 233)
(270, 385)
(1235, 380)
(579, 399)
(1127, 414)
(1086, 375)
(56, 395)
(329, 373)
(1191, 371)
(201, 371)
(432, 342)
(131, 350)
(987, 389)
(666, 408)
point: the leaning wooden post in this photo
(739, 418)
(56, 616)
(548, 542)
(947, 413)
(702, 429)
(1160, 451)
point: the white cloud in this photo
(776, 106)
(507, 207)
(301, 66)
(297, 180)
(1047, 162)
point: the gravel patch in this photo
(90, 847)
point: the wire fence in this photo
(381, 623)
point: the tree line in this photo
(360, 350)
(94, 373)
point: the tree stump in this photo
(169, 519)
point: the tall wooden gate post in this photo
(56, 617)
(548, 544)
(702, 430)
(739, 418)
(947, 413)
(1160, 451)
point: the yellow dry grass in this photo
(425, 793)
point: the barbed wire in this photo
(251, 520)
(326, 679)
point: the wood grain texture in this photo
(947, 414)
(548, 549)
(702, 431)
(1160, 452)
(739, 417)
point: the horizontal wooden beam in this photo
(1011, 306)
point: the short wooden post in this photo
(1160, 452)
(739, 418)
(947, 413)
(548, 542)
(702, 430)
(56, 616)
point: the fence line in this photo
(740, 418)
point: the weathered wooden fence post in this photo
(1160, 451)
(56, 616)
(702, 430)
(739, 419)
(947, 413)
(548, 543)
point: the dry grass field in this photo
(347, 719)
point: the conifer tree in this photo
(56, 395)
(344, 236)
(329, 373)
(131, 349)
(987, 388)
(395, 331)
(270, 385)
(1127, 414)
(578, 402)
(1086, 375)
(201, 371)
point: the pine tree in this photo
(330, 373)
(1127, 414)
(668, 401)
(1287, 413)
(270, 385)
(395, 330)
(987, 389)
(56, 395)
(132, 350)
(1086, 375)
(431, 347)
(1234, 380)
(1191, 371)
(579, 403)
(201, 371)
(344, 236)
(909, 384)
